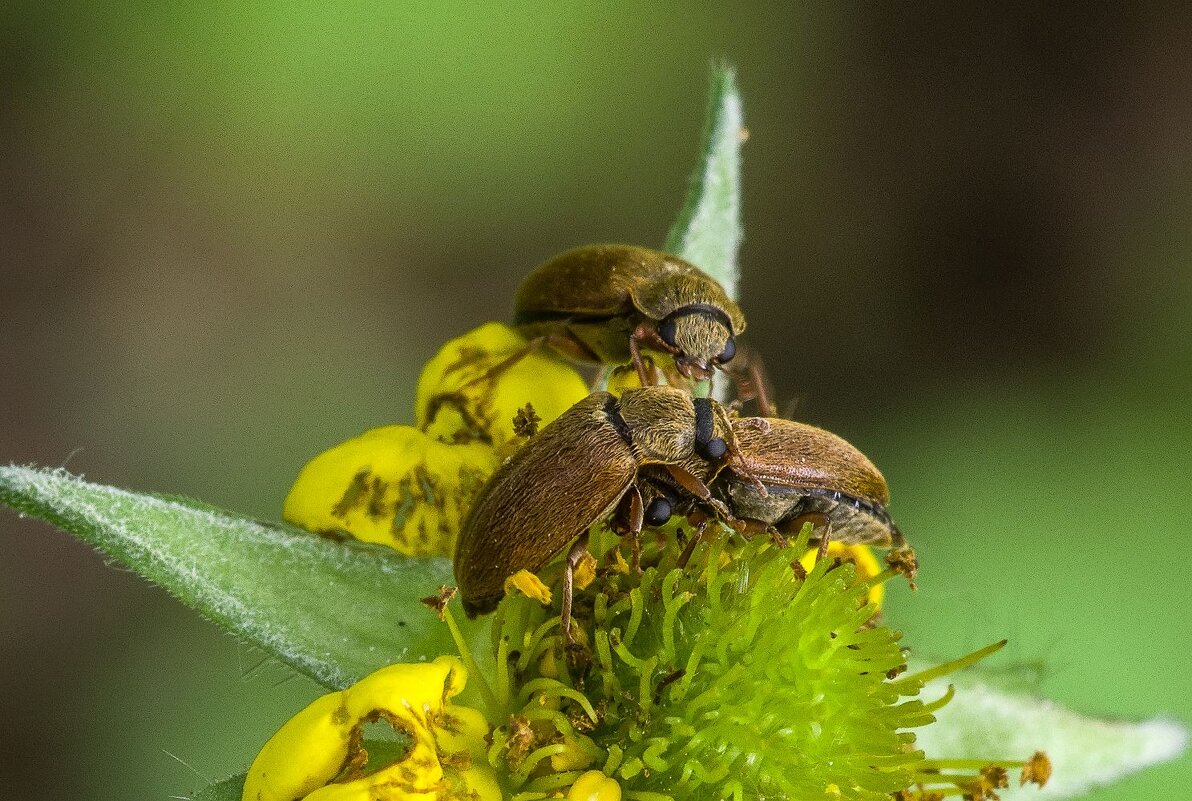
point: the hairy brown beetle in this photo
(577, 471)
(783, 474)
(605, 303)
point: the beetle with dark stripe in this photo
(578, 471)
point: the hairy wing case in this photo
(568, 476)
(790, 454)
(589, 281)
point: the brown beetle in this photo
(783, 474)
(605, 303)
(576, 472)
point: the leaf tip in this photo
(1162, 740)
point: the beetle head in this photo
(701, 338)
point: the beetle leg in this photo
(749, 375)
(636, 354)
(777, 537)
(644, 333)
(689, 549)
(573, 556)
(818, 520)
(629, 521)
(698, 488)
(822, 553)
(748, 529)
(734, 457)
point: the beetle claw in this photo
(721, 509)
(576, 654)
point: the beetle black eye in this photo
(730, 350)
(713, 449)
(666, 330)
(658, 512)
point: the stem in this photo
(465, 654)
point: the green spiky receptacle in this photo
(787, 697)
(737, 677)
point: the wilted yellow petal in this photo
(477, 383)
(860, 555)
(529, 585)
(393, 485)
(585, 571)
(310, 755)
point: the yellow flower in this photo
(861, 556)
(411, 487)
(319, 754)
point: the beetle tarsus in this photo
(777, 537)
(825, 540)
(749, 376)
(689, 548)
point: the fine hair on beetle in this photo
(616, 304)
(576, 473)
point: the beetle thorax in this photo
(661, 423)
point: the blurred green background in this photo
(230, 236)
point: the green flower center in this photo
(737, 676)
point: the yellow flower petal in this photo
(477, 383)
(393, 485)
(310, 755)
(622, 378)
(860, 555)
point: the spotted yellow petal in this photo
(393, 485)
(478, 383)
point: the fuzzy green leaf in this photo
(230, 789)
(985, 720)
(334, 611)
(708, 230)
